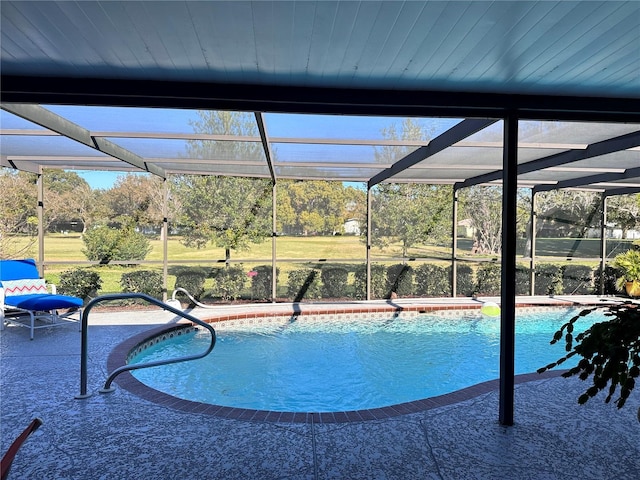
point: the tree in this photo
(411, 213)
(624, 212)
(408, 213)
(567, 213)
(68, 198)
(18, 214)
(314, 207)
(138, 198)
(562, 213)
(483, 206)
(230, 212)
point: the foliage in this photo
(69, 198)
(303, 284)
(624, 211)
(433, 280)
(410, 214)
(334, 281)
(261, 281)
(488, 279)
(106, 244)
(465, 284)
(483, 206)
(228, 282)
(192, 280)
(80, 282)
(577, 280)
(523, 282)
(628, 264)
(230, 212)
(400, 280)
(610, 275)
(148, 282)
(548, 279)
(567, 213)
(610, 352)
(138, 199)
(18, 214)
(378, 281)
(316, 207)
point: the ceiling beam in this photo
(590, 180)
(455, 134)
(266, 144)
(265, 98)
(47, 119)
(617, 144)
(621, 191)
(22, 166)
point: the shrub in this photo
(577, 279)
(148, 282)
(106, 244)
(465, 283)
(192, 280)
(262, 280)
(610, 276)
(378, 281)
(229, 282)
(400, 280)
(488, 279)
(304, 283)
(334, 281)
(548, 279)
(433, 280)
(523, 283)
(80, 282)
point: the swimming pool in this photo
(309, 364)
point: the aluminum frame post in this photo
(508, 287)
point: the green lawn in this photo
(68, 248)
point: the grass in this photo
(292, 252)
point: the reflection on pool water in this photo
(311, 366)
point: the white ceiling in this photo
(572, 67)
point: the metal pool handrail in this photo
(120, 296)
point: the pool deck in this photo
(121, 435)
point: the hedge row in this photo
(333, 281)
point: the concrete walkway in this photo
(121, 436)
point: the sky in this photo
(100, 180)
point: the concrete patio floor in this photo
(122, 436)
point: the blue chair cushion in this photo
(43, 302)
(18, 269)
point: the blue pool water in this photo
(308, 366)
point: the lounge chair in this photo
(22, 291)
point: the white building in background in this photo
(466, 228)
(352, 227)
